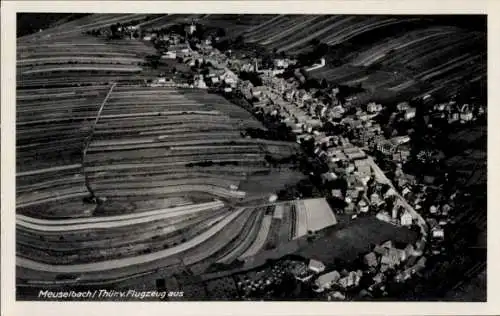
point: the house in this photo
(337, 193)
(329, 176)
(401, 155)
(386, 147)
(337, 295)
(316, 266)
(406, 190)
(336, 154)
(346, 282)
(409, 250)
(370, 260)
(453, 117)
(466, 114)
(350, 206)
(380, 250)
(383, 216)
(403, 106)
(190, 28)
(363, 206)
(446, 209)
(402, 254)
(169, 55)
(410, 113)
(325, 281)
(354, 153)
(406, 219)
(390, 192)
(391, 258)
(200, 84)
(363, 167)
(388, 244)
(280, 63)
(433, 209)
(373, 107)
(375, 199)
(437, 232)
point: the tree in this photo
(324, 84)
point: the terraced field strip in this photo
(336, 35)
(301, 38)
(49, 196)
(297, 25)
(175, 211)
(301, 220)
(161, 238)
(210, 189)
(48, 170)
(156, 231)
(79, 59)
(260, 26)
(292, 209)
(450, 65)
(59, 181)
(260, 240)
(274, 27)
(82, 67)
(408, 40)
(273, 236)
(73, 30)
(169, 144)
(141, 183)
(212, 246)
(101, 225)
(369, 25)
(319, 214)
(128, 262)
(278, 211)
(133, 177)
(246, 237)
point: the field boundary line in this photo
(89, 139)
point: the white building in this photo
(373, 107)
(169, 55)
(410, 113)
(316, 266)
(406, 219)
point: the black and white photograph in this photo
(167, 157)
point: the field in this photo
(117, 182)
(198, 235)
(347, 242)
(165, 164)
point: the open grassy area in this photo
(346, 243)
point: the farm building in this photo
(325, 281)
(316, 266)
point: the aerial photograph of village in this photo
(244, 157)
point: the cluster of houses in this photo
(384, 263)
(386, 257)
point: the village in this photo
(250, 166)
(345, 137)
